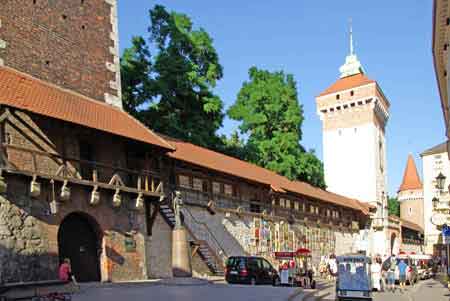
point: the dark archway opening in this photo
(393, 237)
(79, 239)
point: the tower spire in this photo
(352, 65)
(351, 37)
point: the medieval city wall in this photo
(247, 234)
(29, 248)
(159, 250)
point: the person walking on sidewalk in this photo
(376, 274)
(402, 266)
(391, 273)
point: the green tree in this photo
(393, 206)
(171, 91)
(267, 107)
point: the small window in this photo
(352, 93)
(317, 210)
(311, 209)
(338, 96)
(437, 156)
(304, 207)
(352, 104)
(228, 189)
(282, 203)
(288, 203)
(255, 208)
(410, 211)
(216, 187)
(198, 184)
(296, 207)
(184, 181)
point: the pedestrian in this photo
(376, 274)
(65, 272)
(391, 273)
(332, 267)
(402, 266)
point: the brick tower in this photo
(70, 43)
(410, 195)
(354, 113)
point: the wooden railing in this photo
(53, 166)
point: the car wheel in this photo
(276, 281)
(253, 281)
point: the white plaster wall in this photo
(431, 168)
(350, 161)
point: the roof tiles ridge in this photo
(83, 98)
(279, 180)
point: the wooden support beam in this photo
(196, 248)
(80, 182)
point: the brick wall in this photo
(72, 44)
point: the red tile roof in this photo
(24, 92)
(348, 82)
(411, 179)
(200, 156)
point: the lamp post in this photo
(440, 182)
(435, 202)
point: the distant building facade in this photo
(441, 59)
(435, 160)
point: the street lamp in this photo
(435, 201)
(440, 181)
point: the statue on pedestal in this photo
(177, 203)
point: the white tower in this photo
(354, 113)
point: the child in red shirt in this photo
(65, 270)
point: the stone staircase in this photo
(201, 238)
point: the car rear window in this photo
(236, 262)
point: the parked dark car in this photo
(250, 270)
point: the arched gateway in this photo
(79, 240)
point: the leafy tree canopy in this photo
(393, 206)
(267, 107)
(171, 90)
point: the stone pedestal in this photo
(181, 259)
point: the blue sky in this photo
(310, 40)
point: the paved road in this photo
(212, 292)
(426, 290)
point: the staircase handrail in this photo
(219, 250)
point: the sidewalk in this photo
(151, 282)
